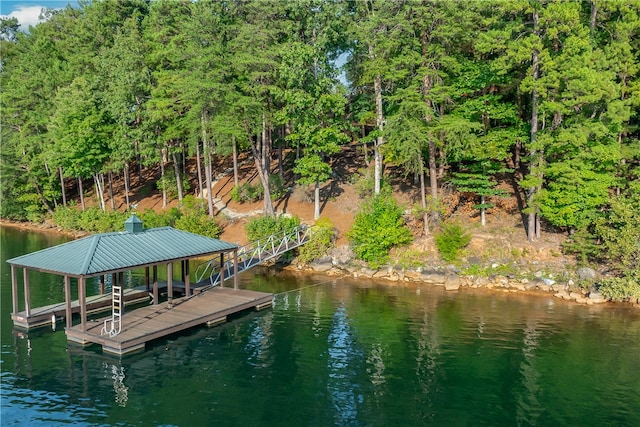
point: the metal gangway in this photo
(252, 254)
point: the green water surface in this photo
(334, 352)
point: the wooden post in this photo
(82, 301)
(170, 284)
(222, 270)
(27, 295)
(235, 269)
(146, 277)
(187, 279)
(102, 278)
(155, 285)
(14, 288)
(67, 300)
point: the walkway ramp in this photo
(252, 254)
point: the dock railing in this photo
(253, 254)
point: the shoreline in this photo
(451, 281)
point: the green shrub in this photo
(276, 187)
(170, 185)
(96, 221)
(378, 227)
(321, 239)
(262, 227)
(451, 240)
(199, 224)
(152, 219)
(621, 288)
(66, 217)
(365, 184)
(247, 193)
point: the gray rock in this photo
(452, 282)
(431, 277)
(596, 297)
(586, 273)
(322, 264)
(481, 281)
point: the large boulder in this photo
(586, 273)
(452, 282)
(596, 297)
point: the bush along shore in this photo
(579, 286)
(582, 285)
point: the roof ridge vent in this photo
(133, 224)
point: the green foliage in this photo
(613, 238)
(619, 231)
(365, 184)
(95, 221)
(67, 217)
(450, 240)
(153, 219)
(262, 227)
(624, 288)
(247, 193)
(321, 238)
(170, 185)
(409, 258)
(277, 187)
(377, 228)
(199, 224)
(194, 218)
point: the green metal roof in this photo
(102, 253)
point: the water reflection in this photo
(120, 389)
(343, 354)
(529, 408)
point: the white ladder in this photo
(113, 326)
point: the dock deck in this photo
(41, 316)
(145, 324)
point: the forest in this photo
(455, 94)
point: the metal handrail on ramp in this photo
(253, 254)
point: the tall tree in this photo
(255, 49)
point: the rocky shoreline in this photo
(452, 280)
(341, 263)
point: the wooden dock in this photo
(145, 324)
(41, 316)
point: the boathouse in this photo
(100, 255)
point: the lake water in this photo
(334, 352)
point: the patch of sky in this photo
(28, 11)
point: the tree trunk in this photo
(64, 193)
(81, 191)
(482, 211)
(199, 167)
(98, 179)
(125, 176)
(260, 150)
(377, 166)
(532, 220)
(316, 211)
(163, 180)
(433, 182)
(235, 162)
(111, 201)
(423, 200)
(208, 172)
(176, 170)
